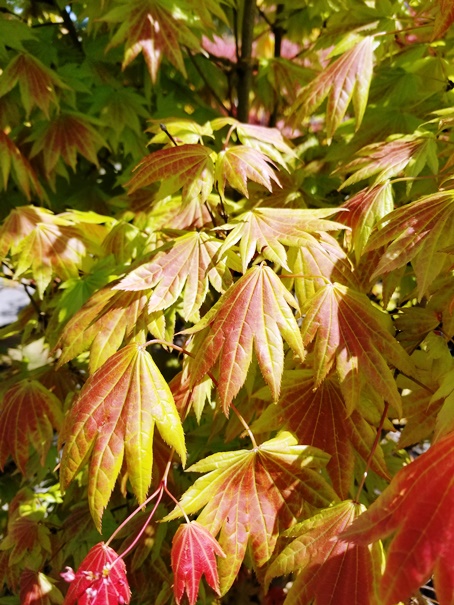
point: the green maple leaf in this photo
(13, 162)
(113, 419)
(185, 266)
(319, 417)
(253, 315)
(251, 495)
(266, 230)
(329, 569)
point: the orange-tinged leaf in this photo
(418, 509)
(100, 579)
(252, 495)
(29, 413)
(253, 315)
(330, 571)
(346, 79)
(38, 589)
(319, 418)
(444, 18)
(37, 82)
(418, 232)
(357, 337)
(187, 167)
(236, 165)
(185, 265)
(19, 223)
(13, 162)
(114, 418)
(193, 555)
(266, 230)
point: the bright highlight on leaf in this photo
(113, 419)
(193, 555)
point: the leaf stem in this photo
(245, 424)
(172, 497)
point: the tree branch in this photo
(245, 63)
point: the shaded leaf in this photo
(252, 495)
(253, 315)
(330, 571)
(38, 589)
(193, 555)
(13, 162)
(417, 508)
(100, 579)
(29, 413)
(114, 418)
(444, 18)
(346, 79)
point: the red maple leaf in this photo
(193, 555)
(100, 579)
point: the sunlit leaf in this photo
(38, 589)
(14, 163)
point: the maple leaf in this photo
(254, 314)
(114, 418)
(28, 414)
(419, 232)
(251, 495)
(348, 78)
(64, 137)
(418, 508)
(100, 579)
(12, 161)
(319, 418)
(189, 167)
(357, 336)
(38, 589)
(185, 264)
(19, 223)
(234, 166)
(37, 83)
(193, 555)
(329, 569)
(444, 18)
(28, 538)
(265, 230)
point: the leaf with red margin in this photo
(113, 418)
(184, 266)
(38, 589)
(29, 413)
(252, 495)
(193, 555)
(357, 337)
(19, 223)
(418, 508)
(346, 79)
(253, 315)
(418, 232)
(267, 230)
(37, 83)
(189, 167)
(330, 571)
(444, 18)
(236, 165)
(13, 162)
(319, 417)
(100, 579)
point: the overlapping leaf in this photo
(29, 413)
(253, 315)
(252, 495)
(330, 571)
(319, 418)
(266, 230)
(187, 265)
(418, 508)
(189, 167)
(236, 165)
(37, 589)
(113, 419)
(355, 336)
(13, 162)
(418, 232)
(346, 79)
(193, 555)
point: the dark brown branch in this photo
(245, 62)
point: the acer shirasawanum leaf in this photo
(357, 337)
(100, 579)
(329, 570)
(38, 589)
(252, 495)
(193, 555)
(253, 315)
(114, 418)
(14, 162)
(29, 413)
(346, 79)
(418, 508)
